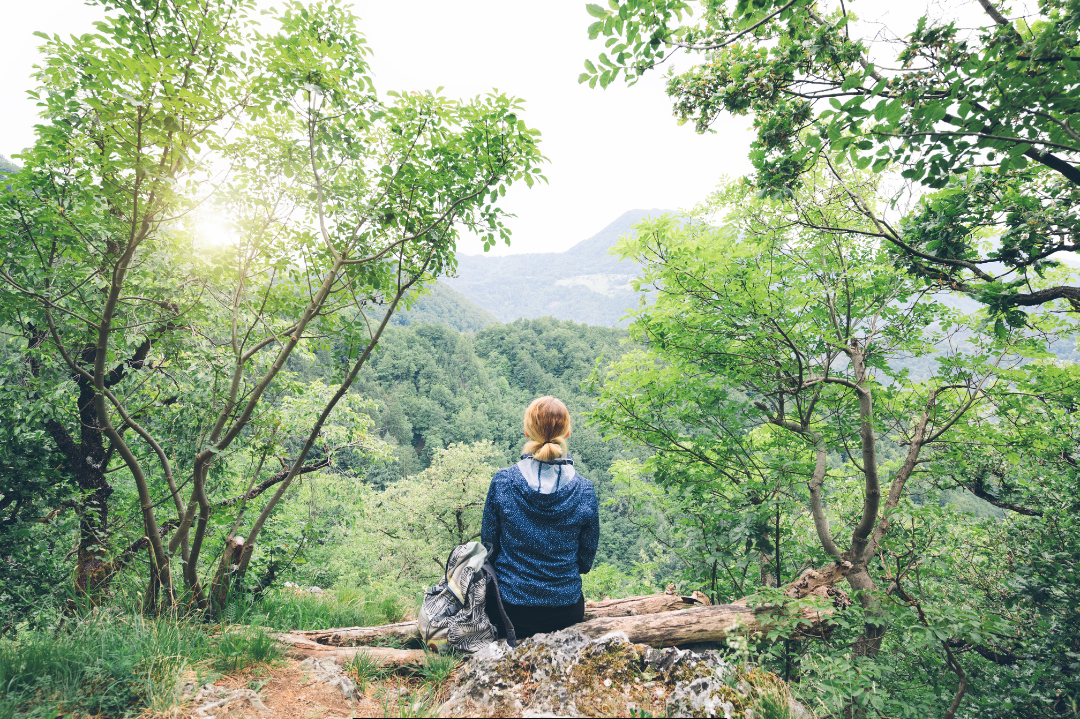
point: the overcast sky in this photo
(610, 150)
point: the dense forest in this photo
(434, 387)
(442, 305)
(249, 385)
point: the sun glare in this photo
(214, 230)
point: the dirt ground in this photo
(289, 692)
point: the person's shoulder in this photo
(586, 485)
(504, 475)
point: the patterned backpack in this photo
(453, 610)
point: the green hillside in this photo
(434, 386)
(446, 307)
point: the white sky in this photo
(610, 150)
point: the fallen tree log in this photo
(302, 648)
(716, 623)
(400, 632)
(654, 619)
(645, 604)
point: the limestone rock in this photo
(211, 699)
(329, 672)
(567, 673)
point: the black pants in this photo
(529, 620)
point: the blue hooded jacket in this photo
(543, 542)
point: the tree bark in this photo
(219, 588)
(302, 648)
(646, 604)
(358, 636)
(655, 619)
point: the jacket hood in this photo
(558, 505)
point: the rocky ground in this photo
(569, 674)
(309, 689)
(559, 674)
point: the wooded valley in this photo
(246, 395)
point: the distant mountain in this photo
(446, 307)
(583, 284)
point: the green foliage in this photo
(32, 571)
(102, 664)
(343, 606)
(405, 532)
(605, 581)
(237, 647)
(147, 354)
(733, 394)
(985, 114)
(438, 668)
(365, 668)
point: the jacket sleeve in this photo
(489, 526)
(590, 535)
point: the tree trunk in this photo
(150, 599)
(219, 588)
(655, 619)
(715, 623)
(86, 461)
(300, 647)
(646, 604)
(358, 636)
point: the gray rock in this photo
(212, 698)
(700, 698)
(329, 672)
(566, 673)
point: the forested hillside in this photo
(442, 305)
(434, 386)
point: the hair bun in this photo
(547, 425)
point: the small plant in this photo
(238, 648)
(162, 689)
(409, 704)
(438, 668)
(772, 704)
(366, 668)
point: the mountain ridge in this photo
(584, 283)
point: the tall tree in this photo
(177, 121)
(770, 321)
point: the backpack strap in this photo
(446, 567)
(511, 637)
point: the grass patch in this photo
(109, 664)
(239, 646)
(102, 664)
(286, 610)
(438, 668)
(366, 669)
(113, 663)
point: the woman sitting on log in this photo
(542, 520)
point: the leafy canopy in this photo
(988, 115)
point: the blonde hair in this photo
(547, 425)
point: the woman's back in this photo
(544, 541)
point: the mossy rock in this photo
(568, 674)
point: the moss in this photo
(611, 677)
(603, 679)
